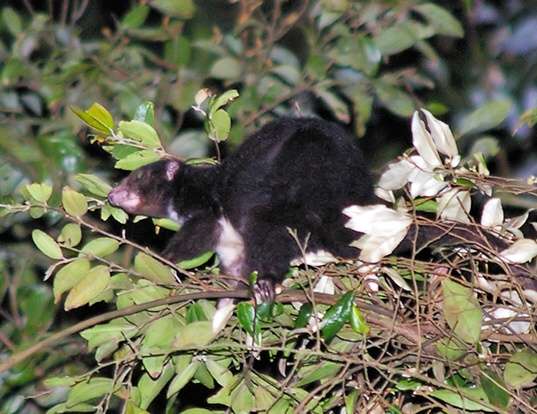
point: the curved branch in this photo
(54, 338)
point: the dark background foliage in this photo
(365, 64)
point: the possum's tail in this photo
(428, 233)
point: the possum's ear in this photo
(172, 168)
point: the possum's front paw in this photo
(265, 290)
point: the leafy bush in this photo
(388, 338)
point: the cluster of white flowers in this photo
(426, 175)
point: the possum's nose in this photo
(116, 196)
(122, 197)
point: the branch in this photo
(54, 338)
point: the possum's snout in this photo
(125, 199)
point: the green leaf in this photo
(73, 202)
(182, 378)
(427, 206)
(46, 244)
(222, 100)
(263, 398)
(99, 113)
(40, 192)
(318, 372)
(132, 408)
(94, 184)
(153, 270)
(495, 389)
(529, 117)
(194, 334)
(350, 401)
(11, 20)
(521, 368)
(69, 276)
(336, 316)
(97, 117)
(226, 68)
(203, 376)
(113, 332)
(158, 338)
(408, 384)
(178, 51)
(92, 285)
(183, 9)
(359, 52)
(443, 21)
(486, 117)
(242, 399)
(336, 6)
(358, 322)
(169, 224)
(119, 215)
(53, 382)
(36, 303)
(394, 99)
(161, 332)
(195, 313)
(337, 105)
(196, 261)
(63, 149)
(135, 17)
(150, 388)
(70, 235)
(304, 315)
(246, 316)
(396, 38)
(90, 390)
(463, 398)
(221, 374)
(100, 247)
(451, 348)
(220, 126)
(140, 131)
(137, 159)
(462, 311)
(77, 408)
(146, 113)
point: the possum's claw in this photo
(264, 291)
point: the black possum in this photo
(291, 174)
(296, 174)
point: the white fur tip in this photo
(223, 313)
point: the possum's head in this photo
(149, 190)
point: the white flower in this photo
(396, 175)
(423, 142)
(325, 285)
(441, 135)
(455, 205)
(424, 182)
(385, 195)
(492, 215)
(518, 327)
(383, 229)
(521, 251)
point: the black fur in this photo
(291, 174)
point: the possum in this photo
(278, 196)
(276, 200)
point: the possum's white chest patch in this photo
(172, 214)
(230, 248)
